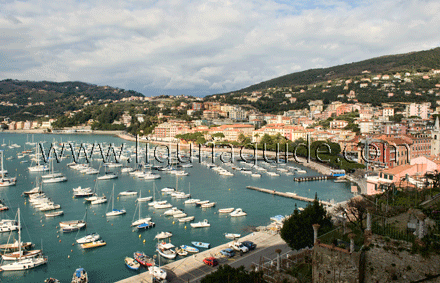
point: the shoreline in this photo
(319, 167)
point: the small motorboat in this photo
(201, 224)
(163, 235)
(189, 249)
(232, 235)
(93, 244)
(186, 219)
(238, 212)
(131, 263)
(181, 252)
(226, 210)
(54, 214)
(80, 276)
(201, 245)
(143, 259)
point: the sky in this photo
(202, 47)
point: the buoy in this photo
(68, 256)
(173, 222)
(112, 224)
(229, 189)
(185, 227)
(73, 244)
(60, 241)
(42, 225)
(95, 213)
(71, 251)
(24, 203)
(139, 235)
(143, 241)
(58, 236)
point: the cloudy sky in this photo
(202, 47)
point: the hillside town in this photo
(392, 139)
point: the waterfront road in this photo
(192, 269)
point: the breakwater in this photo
(287, 195)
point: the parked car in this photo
(228, 252)
(238, 246)
(250, 245)
(210, 261)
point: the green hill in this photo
(29, 99)
(414, 61)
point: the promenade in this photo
(192, 268)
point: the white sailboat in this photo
(53, 177)
(115, 212)
(140, 220)
(23, 262)
(6, 182)
(39, 167)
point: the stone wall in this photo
(333, 264)
(392, 261)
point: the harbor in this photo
(192, 268)
(202, 182)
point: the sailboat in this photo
(39, 167)
(23, 262)
(6, 182)
(107, 175)
(140, 220)
(53, 177)
(89, 237)
(115, 212)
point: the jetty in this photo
(287, 195)
(314, 178)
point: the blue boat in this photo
(201, 245)
(146, 225)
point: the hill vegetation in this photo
(421, 61)
(22, 100)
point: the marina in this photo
(122, 240)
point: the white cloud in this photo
(202, 46)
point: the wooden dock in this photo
(287, 195)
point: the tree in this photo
(297, 230)
(226, 273)
(355, 211)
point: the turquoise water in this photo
(106, 264)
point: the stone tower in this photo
(435, 138)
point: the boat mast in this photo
(19, 234)
(3, 173)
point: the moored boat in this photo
(143, 259)
(157, 272)
(226, 210)
(238, 212)
(186, 219)
(80, 276)
(232, 235)
(200, 224)
(131, 263)
(166, 250)
(94, 244)
(201, 245)
(163, 235)
(189, 249)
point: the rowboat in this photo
(189, 249)
(131, 263)
(71, 222)
(181, 252)
(232, 236)
(201, 245)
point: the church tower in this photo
(435, 138)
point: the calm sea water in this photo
(106, 264)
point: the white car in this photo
(238, 246)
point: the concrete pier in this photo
(287, 195)
(192, 268)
